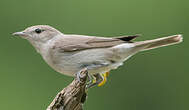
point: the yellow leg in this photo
(105, 75)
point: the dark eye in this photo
(38, 31)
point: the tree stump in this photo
(73, 96)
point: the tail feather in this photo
(160, 42)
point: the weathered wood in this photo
(73, 96)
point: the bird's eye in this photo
(38, 31)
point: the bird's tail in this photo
(160, 42)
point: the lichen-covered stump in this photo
(73, 96)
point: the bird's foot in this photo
(97, 79)
(92, 81)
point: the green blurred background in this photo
(151, 80)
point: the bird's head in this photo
(38, 33)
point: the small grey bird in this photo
(69, 54)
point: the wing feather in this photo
(70, 43)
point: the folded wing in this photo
(72, 43)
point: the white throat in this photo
(42, 47)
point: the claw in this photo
(92, 81)
(79, 74)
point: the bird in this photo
(68, 54)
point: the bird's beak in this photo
(19, 34)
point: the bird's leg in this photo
(104, 78)
(98, 79)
